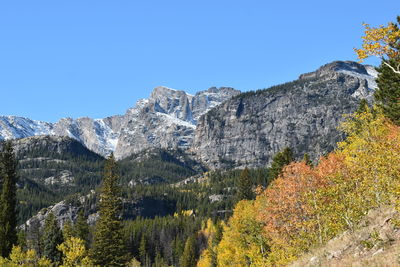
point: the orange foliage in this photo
(290, 208)
(306, 206)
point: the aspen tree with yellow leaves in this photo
(382, 42)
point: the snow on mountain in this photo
(99, 135)
(12, 127)
(167, 119)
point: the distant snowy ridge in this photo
(96, 134)
(166, 119)
(13, 127)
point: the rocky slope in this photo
(374, 242)
(304, 114)
(167, 119)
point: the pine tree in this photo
(33, 237)
(188, 258)
(362, 106)
(8, 201)
(68, 230)
(108, 245)
(51, 238)
(81, 228)
(388, 93)
(280, 160)
(244, 188)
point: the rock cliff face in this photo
(167, 119)
(99, 135)
(251, 127)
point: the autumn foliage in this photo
(382, 42)
(307, 206)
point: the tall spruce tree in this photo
(280, 160)
(188, 258)
(388, 93)
(245, 186)
(108, 246)
(81, 228)
(8, 200)
(51, 238)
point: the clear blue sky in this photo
(96, 58)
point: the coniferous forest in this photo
(163, 208)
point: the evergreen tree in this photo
(188, 258)
(388, 93)
(244, 187)
(159, 261)
(33, 237)
(51, 238)
(362, 106)
(81, 228)
(108, 245)
(8, 201)
(178, 248)
(280, 160)
(143, 250)
(68, 230)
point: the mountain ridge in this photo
(174, 119)
(250, 128)
(174, 107)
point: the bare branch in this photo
(397, 71)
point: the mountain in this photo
(98, 135)
(220, 126)
(250, 128)
(167, 119)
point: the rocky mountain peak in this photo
(249, 129)
(336, 66)
(172, 102)
(167, 119)
(351, 68)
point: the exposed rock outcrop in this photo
(167, 119)
(304, 114)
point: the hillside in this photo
(52, 168)
(376, 242)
